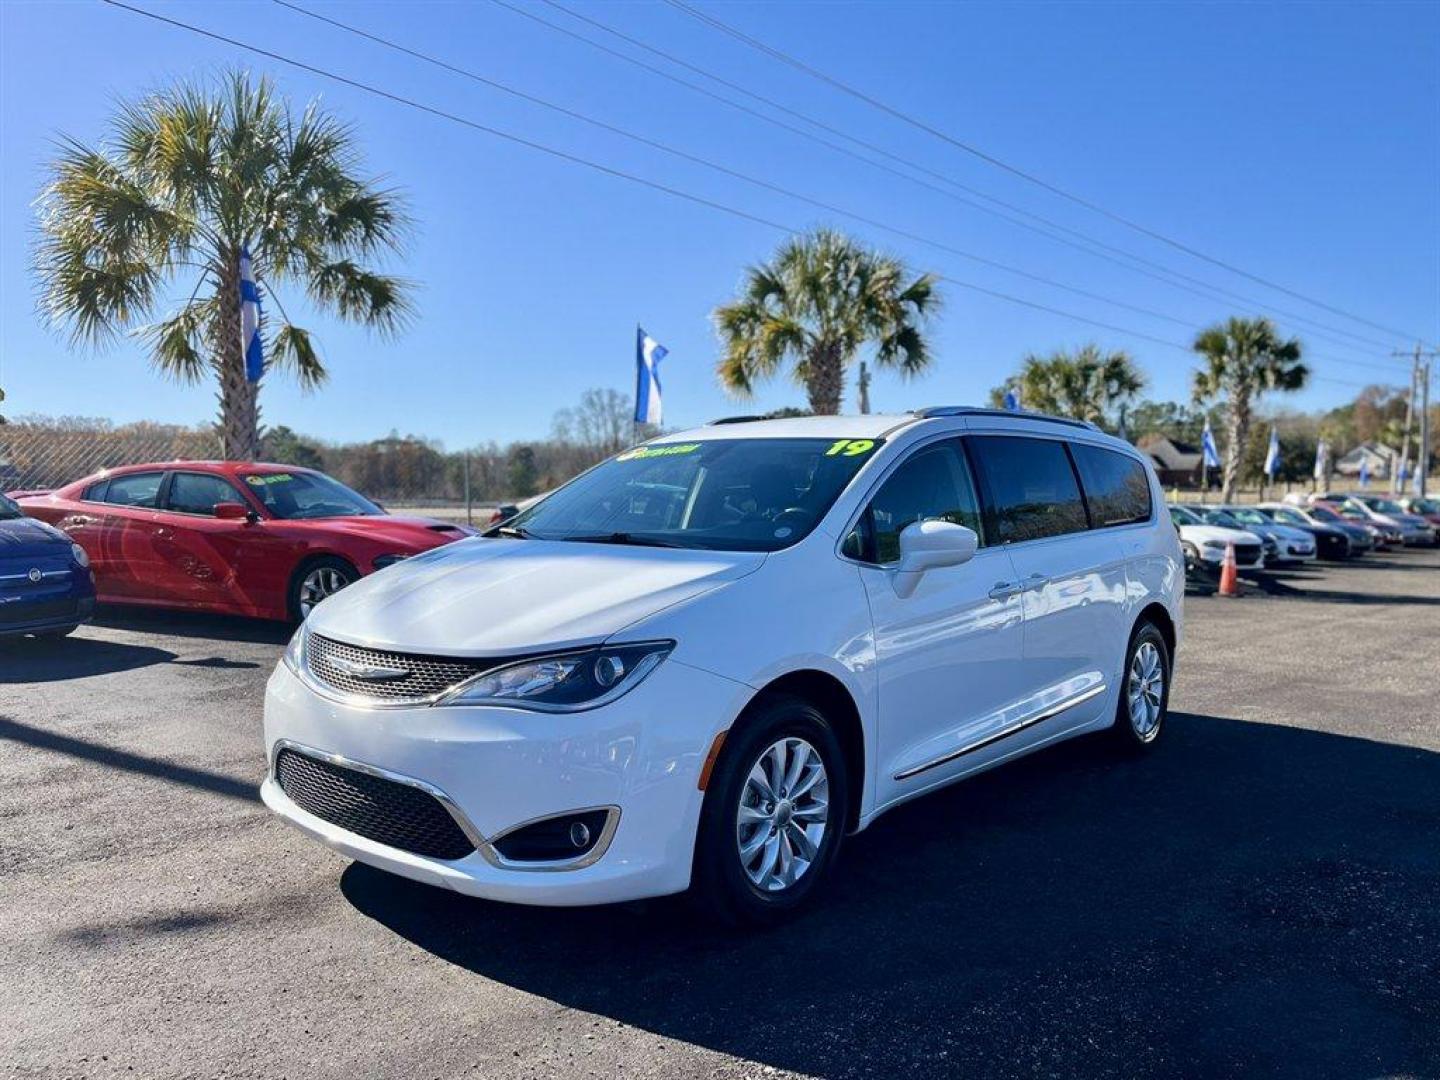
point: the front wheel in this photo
(1145, 694)
(317, 580)
(774, 814)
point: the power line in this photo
(990, 159)
(606, 169)
(1011, 212)
(727, 171)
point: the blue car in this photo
(46, 587)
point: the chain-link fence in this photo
(403, 473)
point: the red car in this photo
(270, 541)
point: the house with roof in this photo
(1379, 458)
(1176, 463)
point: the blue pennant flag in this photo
(1207, 447)
(1012, 400)
(1322, 460)
(250, 320)
(1364, 472)
(648, 354)
(1272, 455)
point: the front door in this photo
(948, 655)
(200, 556)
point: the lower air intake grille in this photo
(1246, 554)
(386, 811)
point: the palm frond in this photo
(292, 349)
(178, 345)
(375, 300)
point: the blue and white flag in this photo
(1272, 455)
(1207, 447)
(250, 320)
(1364, 472)
(648, 354)
(1322, 460)
(1012, 400)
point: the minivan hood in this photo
(492, 597)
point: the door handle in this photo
(1004, 590)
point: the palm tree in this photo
(1088, 384)
(187, 178)
(1243, 359)
(817, 302)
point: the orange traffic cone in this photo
(1229, 573)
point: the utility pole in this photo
(1420, 361)
(864, 389)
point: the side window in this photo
(1030, 486)
(197, 493)
(136, 489)
(1116, 487)
(96, 492)
(933, 484)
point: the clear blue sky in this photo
(1299, 141)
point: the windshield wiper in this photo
(515, 532)
(633, 539)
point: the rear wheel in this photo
(317, 580)
(1145, 695)
(774, 814)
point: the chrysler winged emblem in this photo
(357, 669)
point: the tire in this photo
(326, 574)
(724, 882)
(1138, 729)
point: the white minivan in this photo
(704, 662)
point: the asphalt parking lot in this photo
(1259, 897)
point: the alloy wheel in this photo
(322, 582)
(1146, 690)
(783, 814)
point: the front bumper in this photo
(38, 616)
(499, 768)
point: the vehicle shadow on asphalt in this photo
(45, 660)
(1275, 586)
(123, 760)
(193, 624)
(1250, 899)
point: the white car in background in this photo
(1292, 545)
(704, 662)
(1205, 544)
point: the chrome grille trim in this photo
(425, 678)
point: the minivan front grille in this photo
(1247, 554)
(386, 811)
(344, 667)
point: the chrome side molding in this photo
(1014, 729)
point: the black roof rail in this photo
(932, 411)
(735, 420)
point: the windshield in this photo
(1251, 517)
(720, 494)
(1325, 514)
(1425, 506)
(1221, 518)
(9, 508)
(1180, 516)
(295, 495)
(1385, 506)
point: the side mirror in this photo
(930, 545)
(234, 511)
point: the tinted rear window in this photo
(1030, 488)
(1116, 486)
(136, 489)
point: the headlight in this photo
(566, 682)
(78, 554)
(295, 651)
(388, 560)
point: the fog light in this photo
(556, 839)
